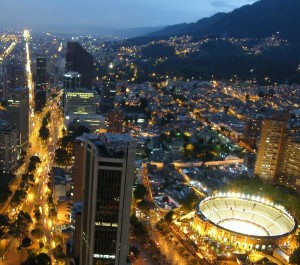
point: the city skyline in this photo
(94, 15)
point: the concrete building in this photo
(278, 157)
(79, 60)
(18, 114)
(59, 183)
(270, 144)
(288, 172)
(72, 80)
(115, 121)
(8, 147)
(107, 192)
(96, 123)
(80, 101)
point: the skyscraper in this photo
(8, 147)
(270, 143)
(41, 83)
(18, 114)
(72, 80)
(288, 172)
(79, 60)
(115, 121)
(80, 101)
(107, 191)
(41, 75)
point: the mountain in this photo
(180, 29)
(259, 20)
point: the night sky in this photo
(84, 14)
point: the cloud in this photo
(222, 4)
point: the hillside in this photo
(259, 20)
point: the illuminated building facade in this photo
(41, 75)
(79, 60)
(288, 172)
(18, 114)
(80, 101)
(8, 147)
(278, 157)
(244, 221)
(107, 192)
(72, 80)
(115, 121)
(96, 123)
(271, 139)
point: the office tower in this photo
(41, 83)
(41, 75)
(107, 191)
(252, 130)
(11, 75)
(79, 60)
(96, 123)
(72, 80)
(270, 144)
(115, 121)
(8, 147)
(18, 114)
(80, 101)
(288, 172)
(108, 95)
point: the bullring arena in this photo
(244, 221)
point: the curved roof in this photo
(249, 215)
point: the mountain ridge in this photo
(258, 20)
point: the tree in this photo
(40, 259)
(133, 220)
(169, 216)
(37, 214)
(295, 257)
(19, 227)
(58, 253)
(44, 133)
(26, 242)
(5, 192)
(37, 233)
(80, 131)
(28, 177)
(143, 103)
(19, 196)
(62, 156)
(4, 223)
(139, 191)
(35, 159)
(31, 167)
(43, 259)
(135, 251)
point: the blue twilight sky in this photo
(76, 14)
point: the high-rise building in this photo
(8, 147)
(72, 80)
(80, 101)
(107, 192)
(252, 130)
(79, 60)
(288, 171)
(41, 83)
(18, 114)
(41, 75)
(270, 144)
(115, 121)
(11, 75)
(108, 95)
(278, 157)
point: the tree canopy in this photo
(139, 191)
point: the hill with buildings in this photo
(259, 20)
